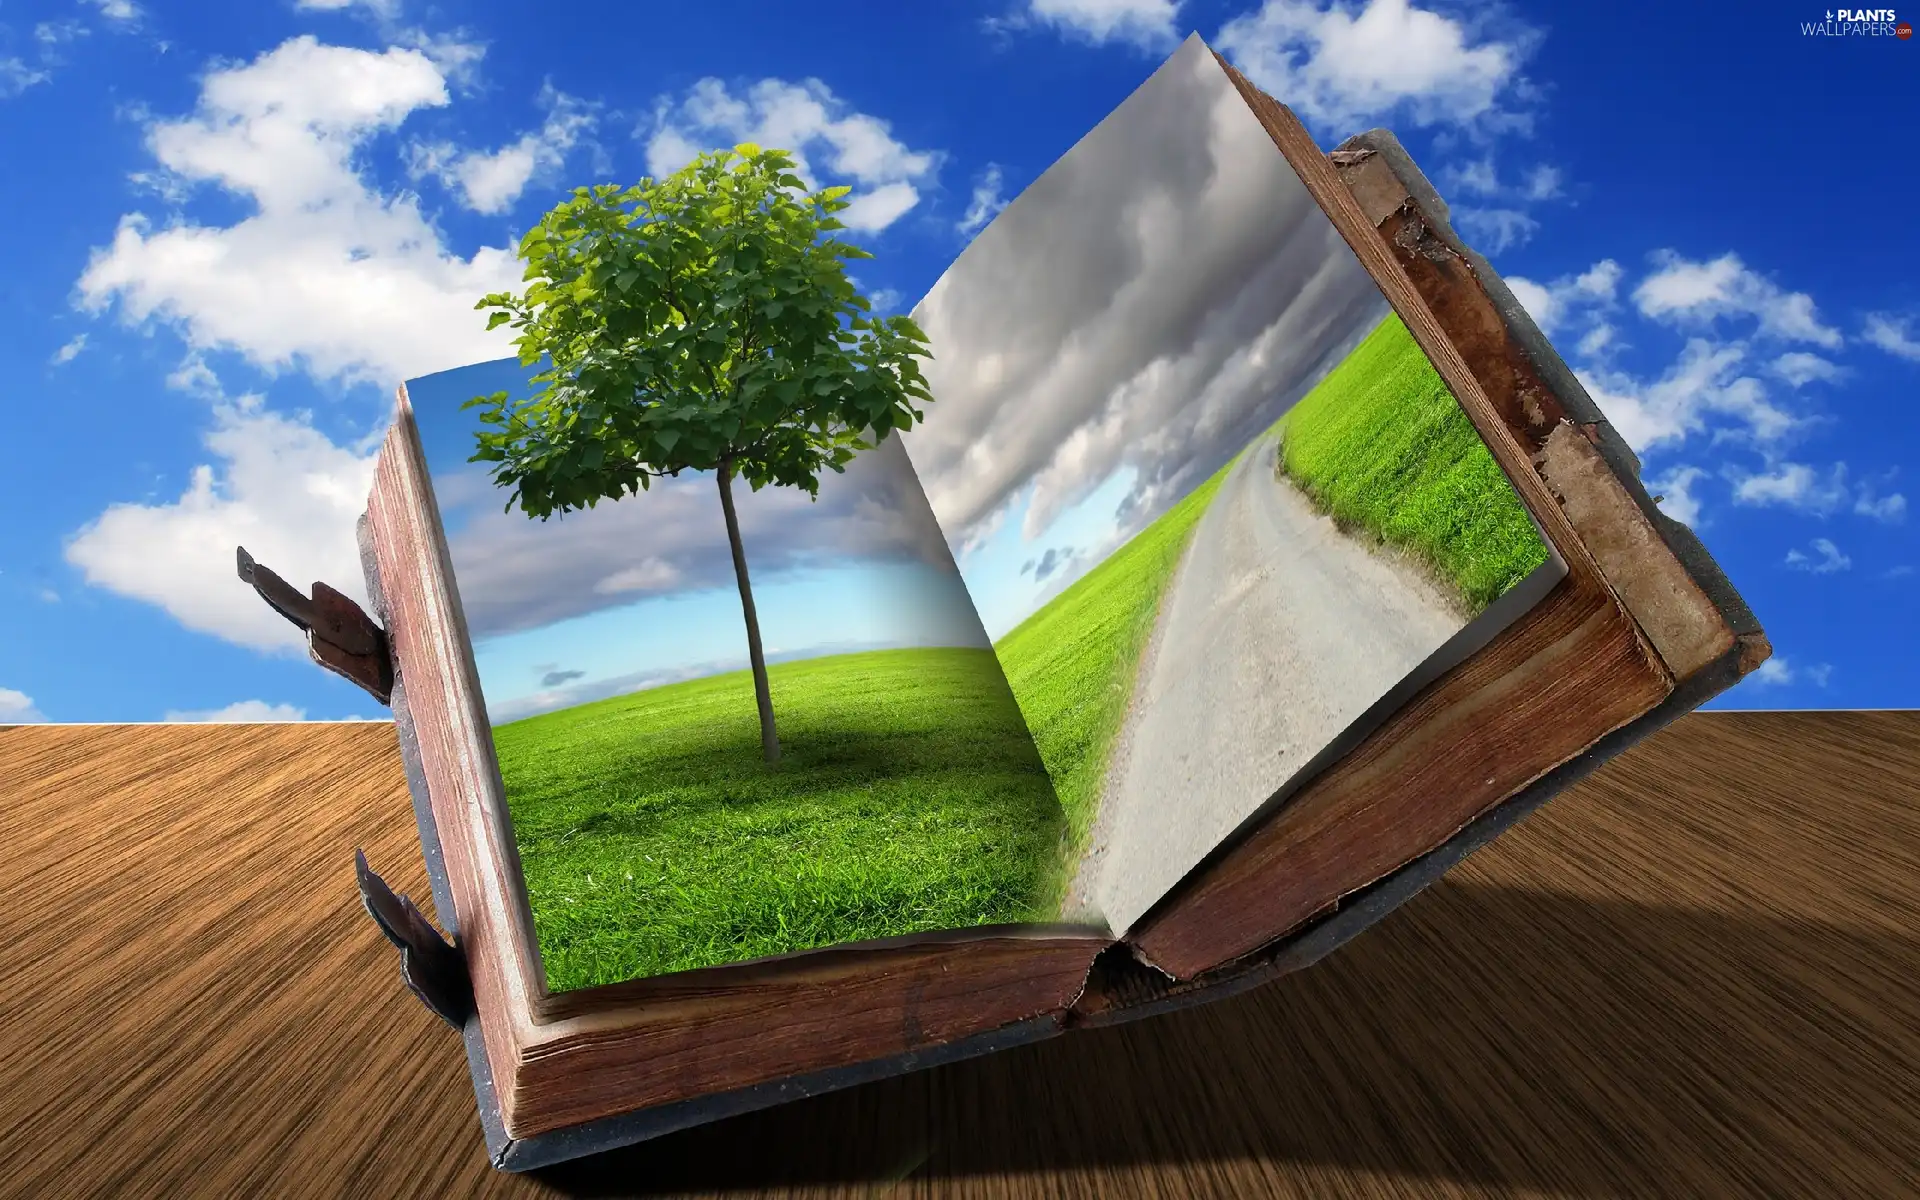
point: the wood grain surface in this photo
(1693, 975)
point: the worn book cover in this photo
(1251, 560)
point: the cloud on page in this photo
(1136, 306)
(517, 573)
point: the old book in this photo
(1255, 561)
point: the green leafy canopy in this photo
(697, 322)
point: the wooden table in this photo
(1697, 974)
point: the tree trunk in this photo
(763, 696)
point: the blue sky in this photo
(248, 221)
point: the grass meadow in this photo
(1384, 448)
(654, 838)
(1072, 664)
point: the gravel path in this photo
(1277, 632)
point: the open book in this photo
(1255, 560)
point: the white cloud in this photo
(281, 488)
(1800, 368)
(1891, 508)
(71, 350)
(379, 8)
(326, 273)
(457, 55)
(1776, 671)
(1570, 297)
(1793, 485)
(1707, 379)
(1674, 493)
(1495, 230)
(1596, 341)
(384, 13)
(1724, 390)
(194, 377)
(1499, 227)
(807, 119)
(1689, 292)
(1147, 24)
(1825, 560)
(987, 200)
(489, 181)
(16, 76)
(1801, 487)
(119, 11)
(1600, 281)
(242, 711)
(16, 708)
(1476, 177)
(58, 33)
(1339, 67)
(1538, 300)
(1541, 183)
(1890, 333)
(870, 212)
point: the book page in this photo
(613, 657)
(1217, 511)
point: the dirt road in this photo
(1277, 632)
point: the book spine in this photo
(492, 1129)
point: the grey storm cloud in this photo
(553, 679)
(1046, 564)
(1153, 300)
(516, 573)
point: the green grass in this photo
(1384, 447)
(654, 838)
(1072, 663)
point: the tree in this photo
(701, 322)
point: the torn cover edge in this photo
(1558, 377)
